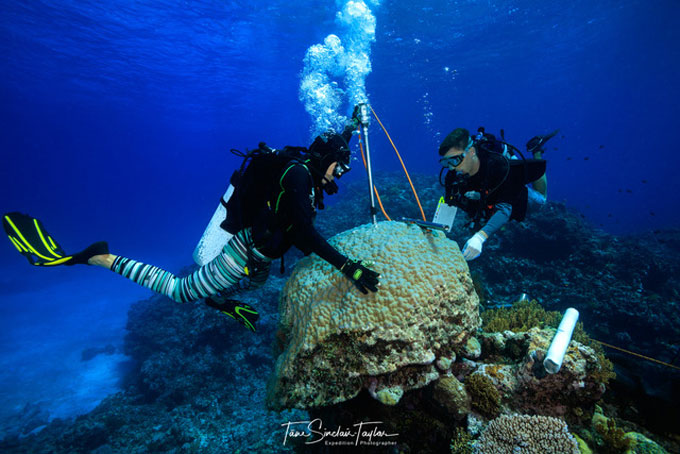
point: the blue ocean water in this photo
(118, 117)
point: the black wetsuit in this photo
(272, 209)
(499, 181)
(288, 220)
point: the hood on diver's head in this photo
(327, 148)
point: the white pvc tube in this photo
(214, 237)
(558, 346)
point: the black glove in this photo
(355, 114)
(363, 278)
(331, 188)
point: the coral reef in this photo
(198, 379)
(339, 341)
(526, 434)
(484, 396)
(639, 444)
(613, 440)
(452, 394)
(524, 315)
(518, 372)
(521, 317)
(461, 442)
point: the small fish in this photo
(601, 147)
(568, 158)
(563, 136)
(555, 148)
(609, 215)
(586, 158)
(629, 191)
(651, 213)
(620, 190)
(583, 216)
(644, 181)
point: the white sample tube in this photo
(558, 346)
(214, 237)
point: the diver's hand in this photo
(473, 246)
(355, 117)
(363, 278)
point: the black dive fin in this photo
(536, 143)
(29, 236)
(243, 313)
(31, 239)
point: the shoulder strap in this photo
(283, 175)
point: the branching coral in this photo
(485, 398)
(527, 434)
(612, 437)
(522, 316)
(461, 442)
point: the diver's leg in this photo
(223, 275)
(260, 273)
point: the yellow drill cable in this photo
(402, 163)
(638, 355)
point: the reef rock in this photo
(524, 383)
(335, 341)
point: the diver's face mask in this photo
(341, 168)
(454, 161)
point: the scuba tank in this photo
(230, 214)
(214, 237)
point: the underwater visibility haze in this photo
(118, 118)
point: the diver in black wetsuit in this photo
(271, 210)
(489, 184)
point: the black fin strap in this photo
(283, 264)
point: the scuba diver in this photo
(273, 207)
(488, 181)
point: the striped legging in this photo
(238, 267)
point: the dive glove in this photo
(363, 278)
(473, 246)
(355, 121)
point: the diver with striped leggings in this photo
(267, 217)
(236, 268)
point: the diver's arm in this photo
(498, 219)
(304, 234)
(473, 246)
(349, 129)
(308, 238)
(352, 125)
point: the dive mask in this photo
(340, 169)
(454, 161)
